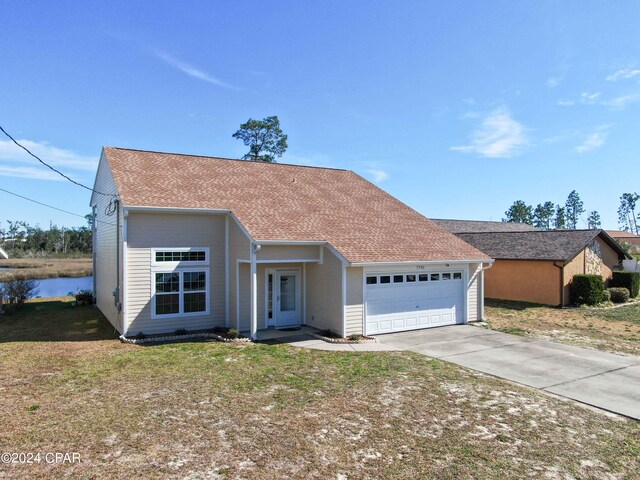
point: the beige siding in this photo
(291, 252)
(324, 293)
(245, 297)
(474, 305)
(354, 310)
(146, 231)
(239, 249)
(105, 239)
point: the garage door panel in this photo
(411, 305)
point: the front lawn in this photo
(614, 330)
(213, 410)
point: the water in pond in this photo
(60, 287)
(7, 268)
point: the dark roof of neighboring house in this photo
(552, 245)
(281, 202)
(475, 226)
(621, 234)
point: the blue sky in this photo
(456, 108)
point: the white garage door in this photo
(408, 301)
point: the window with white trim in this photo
(181, 292)
(180, 282)
(180, 256)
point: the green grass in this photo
(627, 313)
(206, 409)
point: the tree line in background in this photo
(20, 239)
(548, 215)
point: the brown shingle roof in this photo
(289, 202)
(621, 234)
(473, 226)
(555, 245)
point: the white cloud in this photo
(593, 141)
(623, 74)
(378, 175)
(191, 70)
(553, 82)
(469, 115)
(499, 136)
(589, 97)
(56, 157)
(595, 98)
(622, 101)
(32, 173)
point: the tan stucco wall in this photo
(577, 266)
(523, 280)
(539, 281)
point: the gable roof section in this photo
(621, 234)
(280, 202)
(475, 226)
(551, 245)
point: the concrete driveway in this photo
(600, 379)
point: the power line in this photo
(52, 207)
(54, 169)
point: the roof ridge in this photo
(568, 230)
(227, 158)
(480, 221)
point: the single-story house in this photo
(629, 238)
(193, 242)
(537, 266)
(477, 226)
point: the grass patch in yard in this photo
(40, 268)
(214, 410)
(614, 330)
(626, 313)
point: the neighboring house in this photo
(196, 242)
(475, 226)
(3, 255)
(629, 238)
(538, 266)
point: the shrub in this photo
(233, 333)
(141, 336)
(15, 292)
(587, 289)
(181, 331)
(619, 294)
(606, 296)
(84, 296)
(628, 280)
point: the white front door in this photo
(287, 298)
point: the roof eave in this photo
(420, 262)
